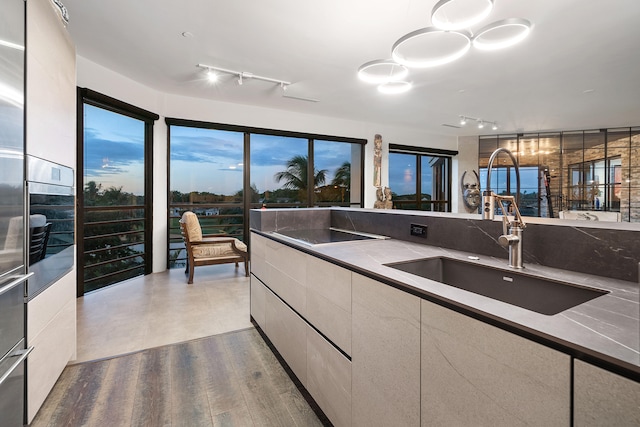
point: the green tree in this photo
(296, 175)
(342, 177)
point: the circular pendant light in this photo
(394, 87)
(458, 14)
(430, 47)
(382, 71)
(501, 34)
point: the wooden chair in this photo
(210, 249)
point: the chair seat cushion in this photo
(218, 250)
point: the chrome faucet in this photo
(512, 230)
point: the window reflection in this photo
(592, 171)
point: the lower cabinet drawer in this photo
(322, 369)
(329, 378)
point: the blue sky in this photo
(114, 150)
(201, 159)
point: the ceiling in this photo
(578, 69)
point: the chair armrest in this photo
(215, 235)
(212, 240)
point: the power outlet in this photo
(419, 230)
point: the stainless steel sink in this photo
(538, 294)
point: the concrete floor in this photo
(160, 309)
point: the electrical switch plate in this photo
(419, 230)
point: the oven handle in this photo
(21, 355)
(15, 283)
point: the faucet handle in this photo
(505, 224)
(508, 240)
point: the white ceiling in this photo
(578, 69)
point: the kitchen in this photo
(43, 124)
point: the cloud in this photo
(109, 156)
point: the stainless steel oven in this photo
(51, 207)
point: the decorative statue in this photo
(379, 203)
(383, 199)
(377, 161)
(388, 204)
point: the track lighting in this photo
(481, 123)
(242, 75)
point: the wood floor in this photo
(231, 379)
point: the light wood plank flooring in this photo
(154, 351)
(231, 379)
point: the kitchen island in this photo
(375, 345)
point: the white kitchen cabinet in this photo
(288, 333)
(282, 269)
(385, 355)
(324, 370)
(258, 303)
(602, 398)
(476, 374)
(329, 301)
(329, 378)
(51, 331)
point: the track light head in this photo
(463, 120)
(212, 76)
(480, 124)
(239, 79)
(494, 127)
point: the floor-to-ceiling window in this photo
(279, 171)
(206, 176)
(220, 172)
(420, 178)
(114, 191)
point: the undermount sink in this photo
(533, 293)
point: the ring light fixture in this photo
(382, 71)
(449, 38)
(501, 34)
(457, 14)
(430, 47)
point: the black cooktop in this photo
(322, 235)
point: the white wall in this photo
(466, 160)
(96, 77)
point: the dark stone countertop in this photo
(604, 331)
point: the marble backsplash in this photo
(608, 252)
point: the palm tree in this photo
(342, 177)
(296, 175)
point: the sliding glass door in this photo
(114, 173)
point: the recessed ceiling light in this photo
(588, 91)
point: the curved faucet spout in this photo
(489, 213)
(512, 237)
